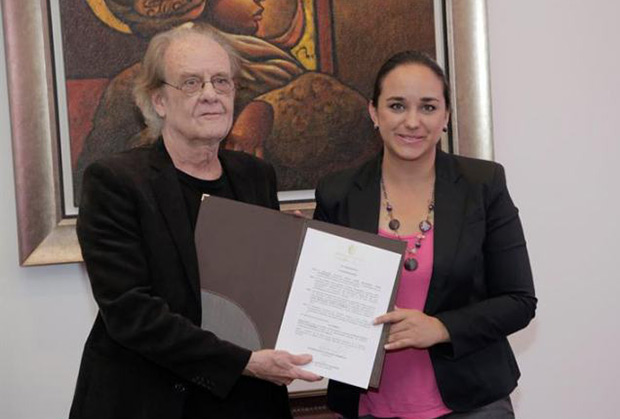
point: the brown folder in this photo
(247, 256)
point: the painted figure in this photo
(304, 122)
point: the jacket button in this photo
(179, 388)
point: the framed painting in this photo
(70, 64)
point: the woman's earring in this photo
(376, 126)
(445, 129)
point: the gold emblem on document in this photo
(351, 250)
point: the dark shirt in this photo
(193, 189)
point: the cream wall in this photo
(555, 67)
(554, 71)
(45, 312)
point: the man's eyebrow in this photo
(222, 74)
(185, 74)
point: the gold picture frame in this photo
(47, 236)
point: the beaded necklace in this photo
(411, 263)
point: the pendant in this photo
(425, 226)
(394, 224)
(411, 264)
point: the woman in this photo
(466, 282)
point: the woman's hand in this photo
(413, 329)
(279, 367)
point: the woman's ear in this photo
(373, 114)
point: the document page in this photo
(339, 287)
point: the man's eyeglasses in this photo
(193, 85)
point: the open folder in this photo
(252, 259)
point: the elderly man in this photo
(146, 356)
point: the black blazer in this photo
(481, 287)
(146, 355)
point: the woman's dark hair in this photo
(411, 57)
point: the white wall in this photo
(45, 312)
(555, 67)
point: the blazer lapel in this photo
(239, 179)
(169, 197)
(365, 198)
(450, 201)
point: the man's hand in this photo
(279, 367)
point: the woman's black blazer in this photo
(146, 353)
(481, 287)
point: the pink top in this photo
(408, 388)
